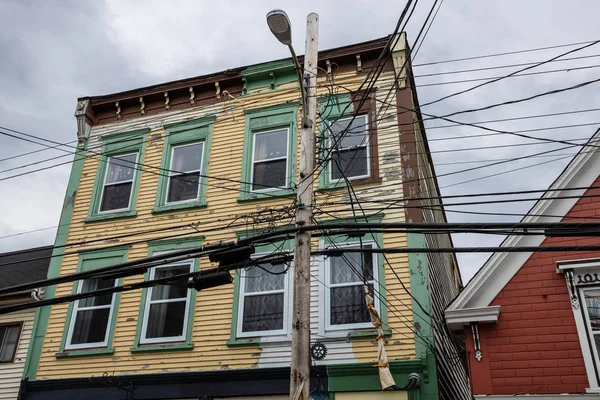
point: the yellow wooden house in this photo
(215, 158)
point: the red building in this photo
(532, 320)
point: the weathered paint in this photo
(11, 372)
(212, 319)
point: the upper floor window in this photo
(9, 338)
(118, 176)
(269, 158)
(182, 183)
(118, 182)
(345, 278)
(350, 157)
(167, 306)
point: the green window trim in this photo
(114, 145)
(196, 131)
(166, 245)
(243, 342)
(94, 256)
(263, 119)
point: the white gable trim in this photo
(582, 171)
(457, 318)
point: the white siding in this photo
(11, 373)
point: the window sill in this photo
(370, 334)
(85, 353)
(175, 207)
(109, 216)
(243, 342)
(161, 347)
(328, 187)
(252, 196)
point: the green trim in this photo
(166, 245)
(262, 119)
(269, 75)
(42, 314)
(88, 261)
(199, 130)
(85, 353)
(331, 111)
(113, 145)
(162, 348)
(419, 288)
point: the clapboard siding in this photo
(212, 315)
(11, 373)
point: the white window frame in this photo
(287, 160)
(367, 151)
(172, 174)
(149, 301)
(77, 308)
(287, 304)
(135, 172)
(329, 286)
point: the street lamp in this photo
(281, 28)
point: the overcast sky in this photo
(52, 52)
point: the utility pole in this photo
(300, 371)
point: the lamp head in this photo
(280, 26)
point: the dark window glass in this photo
(263, 312)
(352, 162)
(91, 285)
(116, 197)
(350, 155)
(183, 187)
(348, 305)
(166, 319)
(9, 337)
(269, 174)
(90, 326)
(270, 160)
(177, 290)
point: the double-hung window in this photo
(349, 147)
(91, 317)
(270, 160)
(184, 179)
(118, 176)
(269, 157)
(9, 339)
(167, 306)
(118, 183)
(186, 151)
(345, 278)
(264, 300)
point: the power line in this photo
(428, 28)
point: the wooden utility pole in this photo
(300, 371)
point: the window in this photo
(185, 162)
(264, 300)
(167, 306)
(118, 176)
(9, 338)
(350, 157)
(118, 182)
(269, 158)
(90, 322)
(345, 305)
(91, 317)
(184, 179)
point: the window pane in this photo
(166, 320)
(187, 158)
(348, 305)
(258, 280)
(121, 168)
(9, 336)
(263, 313)
(352, 162)
(349, 269)
(91, 285)
(269, 174)
(116, 197)
(176, 290)
(90, 326)
(592, 302)
(183, 187)
(356, 134)
(270, 145)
